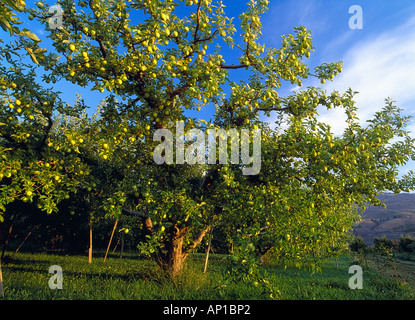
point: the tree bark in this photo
(175, 256)
(173, 261)
(264, 253)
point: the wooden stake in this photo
(90, 242)
(109, 244)
(18, 248)
(208, 249)
(116, 246)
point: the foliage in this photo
(358, 245)
(384, 245)
(158, 60)
(8, 17)
(245, 268)
(407, 244)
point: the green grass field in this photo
(26, 277)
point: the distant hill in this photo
(398, 218)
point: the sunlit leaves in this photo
(154, 62)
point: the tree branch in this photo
(233, 67)
(197, 21)
(197, 240)
(102, 47)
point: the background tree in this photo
(159, 59)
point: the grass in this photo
(26, 277)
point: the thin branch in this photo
(197, 21)
(198, 239)
(272, 109)
(102, 47)
(233, 67)
(48, 128)
(208, 38)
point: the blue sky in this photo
(379, 60)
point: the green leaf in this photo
(30, 35)
(11, 4)
(32, 55)
(5, 24)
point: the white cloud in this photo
(378, 68)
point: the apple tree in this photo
(159, 60)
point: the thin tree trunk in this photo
(6, 243)
(208, 249)
(1, 282)
(122, 246)
(109, 243)
(90, 242)
(122, 240)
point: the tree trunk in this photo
(175, 257)
(6, 243)
(173, 261)
(264, 253)
(122, 240)
(1, 282)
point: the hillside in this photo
(398, 218)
